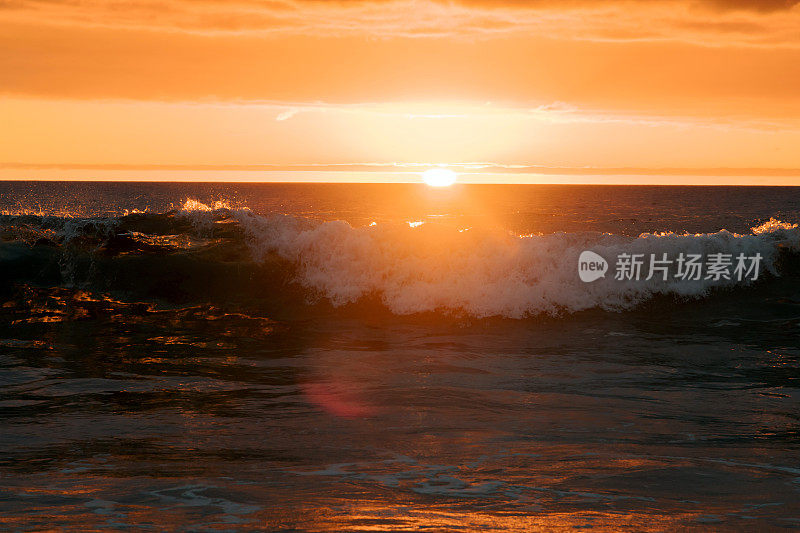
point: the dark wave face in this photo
(292, 359)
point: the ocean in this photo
(379, 357)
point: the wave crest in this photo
(429, 267)
(210, 252)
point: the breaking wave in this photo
(220, 253)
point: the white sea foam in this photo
(419, 268)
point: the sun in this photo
(439, 177)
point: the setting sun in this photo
(439, 177)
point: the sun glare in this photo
(439, 177)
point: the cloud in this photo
(756, 5)
(254, 6)
(707, 22)
(286, 115)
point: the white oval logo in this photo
(591, 266)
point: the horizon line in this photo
(415, 168)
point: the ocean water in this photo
(222, 357)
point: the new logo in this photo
(591, 266)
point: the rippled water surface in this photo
(168, 379)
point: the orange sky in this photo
(594, 83)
